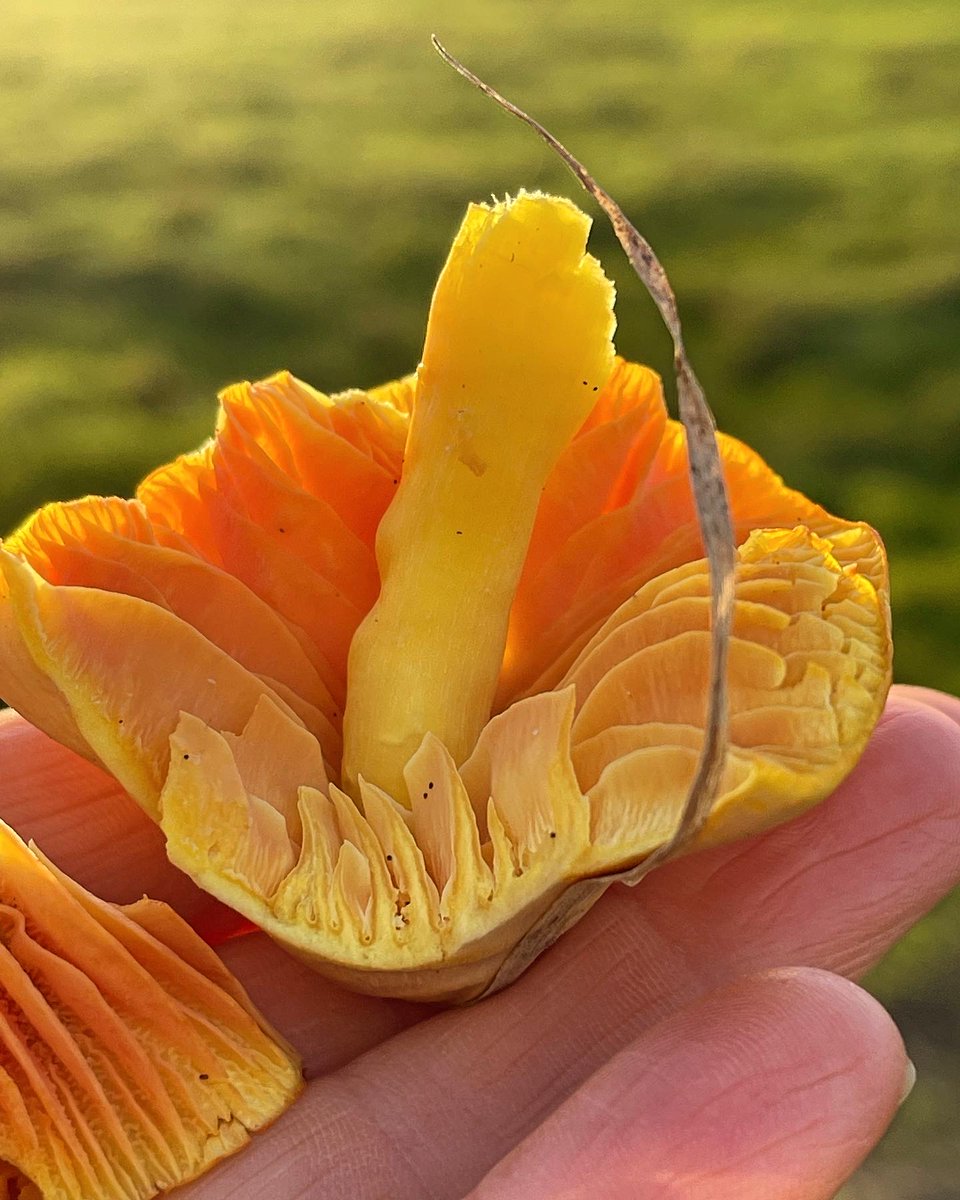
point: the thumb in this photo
(777, 1085)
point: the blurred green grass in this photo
(196, 192)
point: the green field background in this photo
(195, 192)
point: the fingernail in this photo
(909, 1079)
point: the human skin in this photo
(697, 1036)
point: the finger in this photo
(941, 701)
(777, 1085)
(83, 820)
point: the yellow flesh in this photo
(490, 419)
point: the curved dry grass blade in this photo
(713, 514)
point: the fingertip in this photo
(775, 1085)
(913, 759)
(822, 1009)
(797, 1032)
(942, 702)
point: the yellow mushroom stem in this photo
(491, 416)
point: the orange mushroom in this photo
(394, 669)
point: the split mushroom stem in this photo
(490, 420)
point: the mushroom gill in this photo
(130, 1059)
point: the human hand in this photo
(690, 1038)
